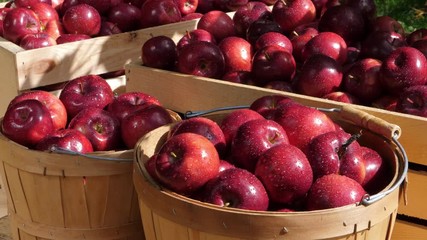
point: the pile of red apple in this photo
(338, 50)
(87, 116)
(40, 23)
(276, 155)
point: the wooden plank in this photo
(409, 231)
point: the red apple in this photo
(242, 77)
(421, 45)
(125, 16)
(28, 3)
(45, 12)
(205, 6)
(102, 6)
(159, 12)
(404, 67)
(299, 38)
(247, 14)
(302, 123)
(386, 23)
(191, 16)
(379, 45)
(218, 23)
(275, 39)
(319, 76)
(336, 152)
(205, 127)
(3, 12)
(413, 100)
(55, 29)
(326, 43)
(159, 52)
(236, 188)
(386, 102)
(285, 172)
(267, 105)
(193, 36)
(273, 63)
(224, 165)
(259, 27)
(237, 53)
(343, 97)
(19, 22)
(82, 19)
(128, 102)
(229, 5)
(378, 174)
(66, 38)
(36, 40)
(66, 4)
(280, 85)
(101, 127)
(292, 13)
(419, 34)
(84, 92)
(108, 28)
(252, 139)
(65, 139)
(186, 162)
(141, 121)
(201, 59)
(55, 106)
(27, 122)
(332, 191)
(187, 6)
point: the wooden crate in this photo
(27, 69)
(182, 93)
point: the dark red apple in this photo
(102, 6)
(299, 38)
(267, 105)
(274, 38)
(191, 16)
(319, 76)
(82, 19)
(238, 53)
(285, 172)
(259, 27)
(386, 102)
(332, 191)
(326, 43)
(28, 3)
(205, 6)
(413, 100)
(224, 165)
(386, 23)
(101, 127)
(302, 123)
(252, 139)
(242, 77)
(128, 102)
(187, 6)
(19, 22)
(201, 59)
(66, 38)
(55, 106)
(280, 85)
(27, 122)
(421, 45)
(247, 14)
(229, 5)
(236, 188)
(419, 34)
(218, 23)
(125, 16)
(379, 45)
(159, 52)
(141, 121)
(186, 162)
(37, 40)
(378, 172)
(404, 67)
(84, 92)
(292, 13)
(193, 36)
(65, 139)
(343, 97)
(159, 12)
(108, 28)
(3, 12)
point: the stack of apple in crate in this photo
(274, 163)
(321, 54)
(67, 160)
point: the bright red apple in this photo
(82, 19)
(19, 22)
(128, 102)
(65, 139)
(238, 53)
(159, 12)
(292, 13)
(218, 23)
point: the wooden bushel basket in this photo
(167, 215)
(66, 196)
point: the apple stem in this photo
(342, 150)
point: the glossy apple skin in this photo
(108, 28)
(204, 127)
(285, 172)
(380, 44)
(302, 123)
(29, 3)
(37, 40)
(187, 6)
(203, 59)
(326, 43)
(319, 76)
(159, 52)
(129, 102)
(125, 16)
(343, 97)
(27, 122)
(273, 63)
(101, 127)
(224, 165)
(242, 77)
(378, 172)
(19, 22)
(66, 38)
(267, 105)
(299, 38)
(45, 12)
(136, 124)
(102, 6)
(56, 108)
(236, 188)
(82, 19)
(387, 24)
(247, 14)
(327, 154)
(3, 12)
(238, 53)
(233, 120)
(274, 38)
(419, 34)
(159, 12)
(259, 27)
(252, 139)
(218, 23)
(413, 100)
(193, 36)
(421, 45)
(362, 80)
(292, 13)
(54, 28)
(186, 162)
(65, 139)
(86, 91)
(404, 67)
(334, 190)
